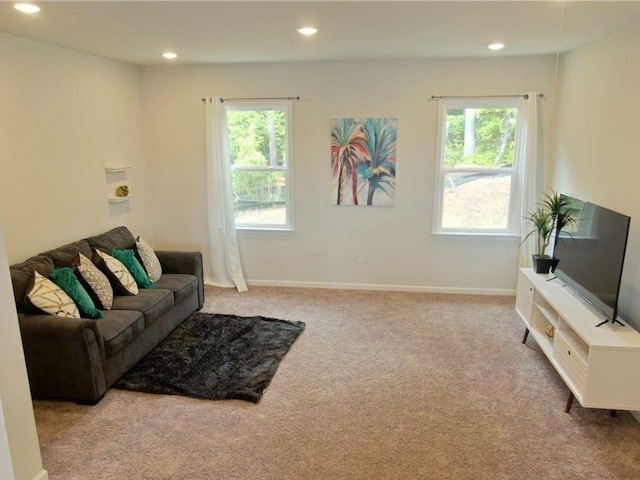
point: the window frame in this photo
(513, 219)
(253, 105)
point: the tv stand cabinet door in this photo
(524, 298)
(613, 380)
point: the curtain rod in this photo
(524, 95)
(222, 100)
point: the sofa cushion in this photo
(42, 295)
(97, 283)
(181, 285)
(66, 279)
(119, 276)
(21, 273)
(119, 237)
(152, 303)
(129, 260)
(149, 259)
(67, 255)
(119, 328)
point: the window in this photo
(259, 144)
(478, 181)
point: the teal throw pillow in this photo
(67, 281)
(129, 260)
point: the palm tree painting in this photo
(363, 161)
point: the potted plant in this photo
(548, 219)
(557, 205)
(542, 224)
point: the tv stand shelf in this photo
(600, 365)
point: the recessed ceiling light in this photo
(27, 7)
(170, 55)
(307, 31)
(496, 46)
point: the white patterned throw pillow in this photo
(96, 280)
(45, 295)
(117, 273)
(149, 260)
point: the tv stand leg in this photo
(567, 408)
(526, 334)
(612, 413)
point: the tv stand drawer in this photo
(571, 358)
(524, 297)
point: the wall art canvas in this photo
(363, 161)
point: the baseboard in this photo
(636, 415)
(382, 287)
(43, 475)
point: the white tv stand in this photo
(600, 365)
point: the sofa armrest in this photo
(64, 357)
(184, 262)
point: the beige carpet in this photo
(379, 386)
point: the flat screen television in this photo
(591, 253)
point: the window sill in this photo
(265, 229)
(477, 236)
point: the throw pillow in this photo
(117, 273)
(44, 295)
(149, 259)
(67, 281)
(99, 286)
(129, 260)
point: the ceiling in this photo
(241, 31)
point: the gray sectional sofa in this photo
(79, 359)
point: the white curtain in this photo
(530, 152)
(222, 265)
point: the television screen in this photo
(591, 254)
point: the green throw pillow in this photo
(67, 281)
(129, 260)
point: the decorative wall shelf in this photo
(115, 169)
(116, 180)
(119, 199)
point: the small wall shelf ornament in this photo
(122, 191)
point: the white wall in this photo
(64, 116)
(596, 153)
(397, 243)
(18, 436)
(6, 465)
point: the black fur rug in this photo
(215, 357)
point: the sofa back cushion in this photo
(44, 263)
(22, 272)
(119, 237)
(67, 255)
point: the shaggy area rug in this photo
(215, 357)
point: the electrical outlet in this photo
(359, 257)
